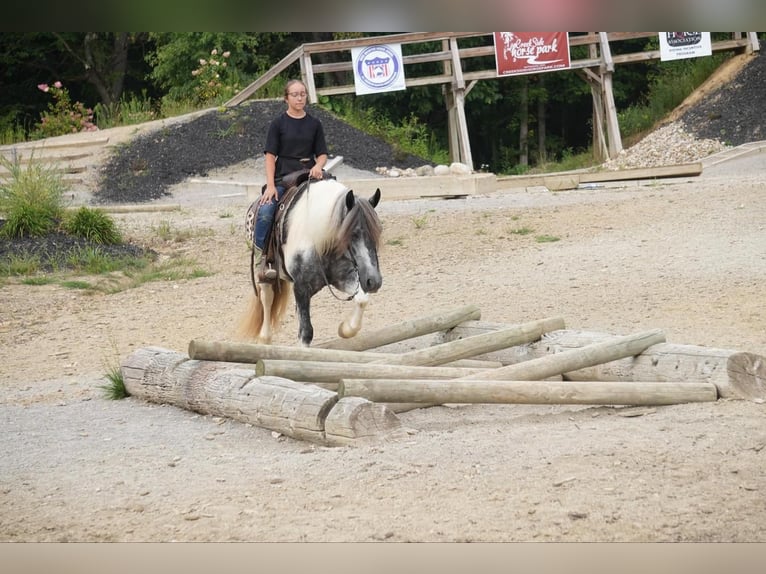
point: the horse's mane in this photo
(321, 216)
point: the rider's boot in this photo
(266, 271)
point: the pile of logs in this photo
(348, 391)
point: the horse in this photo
(327, 236)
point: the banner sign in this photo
(378, 69)
(678, 45)
(531, 52)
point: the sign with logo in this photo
(378, 69)
(679, 45)
(530, 52)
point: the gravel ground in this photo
(685, 256)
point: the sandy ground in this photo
(685, 256)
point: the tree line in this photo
(513, 123)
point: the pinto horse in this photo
(326, 237)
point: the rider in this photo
(295, 141)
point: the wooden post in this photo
(612, 123)
(252, 352)
(406, 330)
(459, 96)
(471, 346)
(223, 389)
(559, 363)
(527, 392)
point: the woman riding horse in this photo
(295, 141)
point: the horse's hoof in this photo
(345, 331)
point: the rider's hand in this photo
(269, 195)
(316, 172)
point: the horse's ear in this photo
(375, 199)
(350, 199)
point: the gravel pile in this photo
(150, 164)
(669, 145)
(732, 115)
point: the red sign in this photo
(531, 52)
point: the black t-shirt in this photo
(292, 140)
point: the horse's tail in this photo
(251, 322)
(283, 293)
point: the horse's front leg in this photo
(353, 322)
(303, 308)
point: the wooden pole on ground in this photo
(736, 374)
(222, 389)
(252, 352)
(405, 330)
(471, 346)
(327, 374)
(527, 392)
(559, 363)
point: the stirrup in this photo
(267, 274)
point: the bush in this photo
(30, 199)
(63, 116)
(93, 225)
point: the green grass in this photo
(547, 239)
(521, 231)
(114, 388)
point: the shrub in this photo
(30, 199)
(93, 225)
(63, 116)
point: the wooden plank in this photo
(679, 170)
(571, 179)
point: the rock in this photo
(424, 170)
(458, 168)
(441, 170)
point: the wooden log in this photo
(736, 374)
(327, 374)
(559, 363)
(405, 330)
(224, 389)
(357, 421)
(252, 352)
(527, 392)
(462, 348)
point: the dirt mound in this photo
(729, 106)
(144, 168)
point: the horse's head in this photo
(362, 230)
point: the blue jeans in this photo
(265, 219)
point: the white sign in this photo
(378, 69)
(679, 45)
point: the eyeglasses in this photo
(297, 94)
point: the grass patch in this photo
(521, 231)
(114, 388)
(546, 239)
(38, 280)
(75, 284)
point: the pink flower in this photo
(57, 85)
(214, 52)
(43, 87)
(226, 54)
(202, 62)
